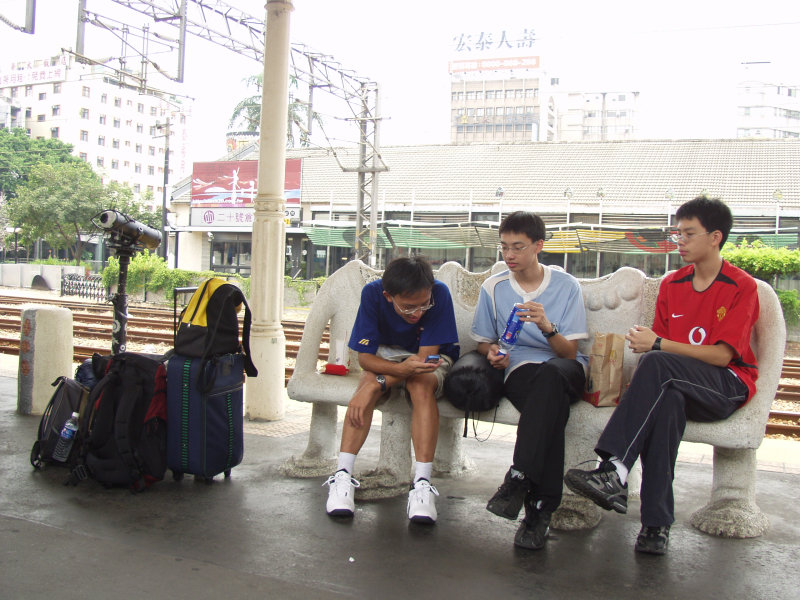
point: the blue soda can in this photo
(510, 335)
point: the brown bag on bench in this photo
(604, 380)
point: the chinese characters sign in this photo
(494, 42)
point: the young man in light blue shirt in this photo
(544, 372)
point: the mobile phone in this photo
(432, 358)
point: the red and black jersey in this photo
(725, 312)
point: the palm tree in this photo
(247, 113)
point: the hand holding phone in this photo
(432, 358)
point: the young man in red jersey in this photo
(697, 364)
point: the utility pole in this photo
(164, 237)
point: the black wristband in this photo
(656, 344)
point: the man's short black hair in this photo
(407, 275)
(712, 213)
(526, 223)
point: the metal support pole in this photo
(265, 394)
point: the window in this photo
(183, 119)
(151, 150)
(137, 188)
(137, 168)
(140, 107)
(117, 123)
(621, 97)
(138, 148)
(100, 161)
(56, 110)
(42, 95)
(149, 188)
(128, 123)
(83, 156)
(14, 92)
(104, 98)
(28, 112)
(102, 119)
(153, 111)
(28, 90)
(151, 170)
(101, 140)
(139, 128)
(127, 143)
(84, 136)
(129, 103)
(117, 101)
(86, 92)
(40, 118)
(490, 94)
(84, 113)
(115, 144)
(153, 130)
(115, 164)
(56, 88)
(126, 164)
(54, 132)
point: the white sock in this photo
(346, 461)
(622, 470)
(423, 471)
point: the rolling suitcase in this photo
(204, 415)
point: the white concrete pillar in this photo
(265, 398)
(45, 352)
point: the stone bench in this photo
(613, 304)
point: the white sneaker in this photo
(341, 492)
(422, 503)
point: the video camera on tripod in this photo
(124, 235)
(122, 230)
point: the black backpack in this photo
(473, 385)
(69, 396)
(125, 440)
(209, 325)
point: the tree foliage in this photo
(59, 201)
(763, 262)
(247, 113)
(19, 154)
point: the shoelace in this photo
(425, 485)
(333, 479)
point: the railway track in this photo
(92, 323)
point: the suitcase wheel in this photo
(177, 476)
(227, 473)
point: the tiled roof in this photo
(634, 176)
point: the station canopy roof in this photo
(570, 239)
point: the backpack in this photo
(69, 396)
(473, 385)
(125, 441)
(209, 325)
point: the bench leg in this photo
(319, 458)
(392, 476)
(451, 459)
(732, 511)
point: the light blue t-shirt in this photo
(559, 293)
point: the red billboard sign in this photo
(234, 184)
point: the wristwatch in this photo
(547, 336)
(656, 344)
(381, 380)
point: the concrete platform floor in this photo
(261, 535)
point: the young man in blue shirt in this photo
(403, 318)
(544, 372)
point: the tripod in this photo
(124, 249)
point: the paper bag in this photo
(604, 380)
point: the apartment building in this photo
(597, 116)
(116, 127)
(768, 110)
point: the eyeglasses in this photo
(685, 237)
(413, 309)
(515, 249)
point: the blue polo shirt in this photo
(377, 323)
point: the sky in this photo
(683, 57)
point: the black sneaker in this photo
(653, 540)
(602, 486)
(509, 497)
(534, 529)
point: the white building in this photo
(115, 127)
(768, 110)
